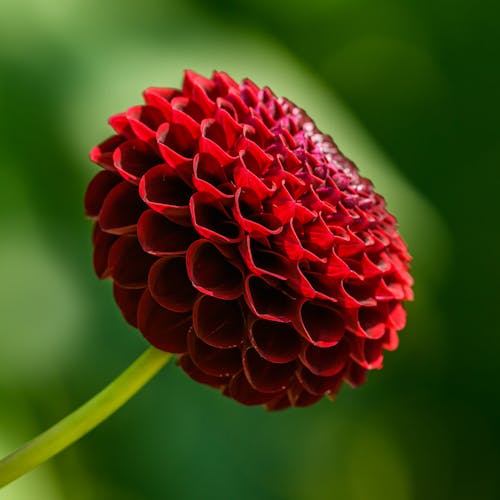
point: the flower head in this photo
(239, 237)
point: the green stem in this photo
(85, 418)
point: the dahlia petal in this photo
(164, 329)
(375, 264)
(133, 159)
(300, 397)
(169, 284)
(165, 192)
(369, 322)
(264, 376)
(390, 340)
(240, 390)
(319, 323)
(189, 107)
(97, 191)
(160, 236)
(127, 300)
(103, 153)
(176, 142)
(128, 263)
(102, 246)
(282, 205)
(325, 361)
(209, 176)
(217, 322)
(275, 342)
(231, 129)
(248, 213)
(267, 301)
(200, 97)
(317, 385)
(261, 260)
(192, 79)
(144, 121)
(211, 220)
(121, 209)
(211, 273)
(397, 315)
(367, 353)
(160, 99)
(211, 360)
(245, 178)
(355, 375)
(281, 402)
(354, 293)
(210, 147)
(199, 376)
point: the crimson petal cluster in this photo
(239, 237)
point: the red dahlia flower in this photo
(239, 237)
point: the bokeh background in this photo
(410, 91)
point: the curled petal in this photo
(98, 189)
(267, 301)
(160, 236)
(199, 376)
(369, 322)
(121, 209)
(170, 286)
(367, 353)
(103, 153)
(276, 342)
(319, 386)
(242, 391)
(264, 376)
(250, 216)
(320, 323)
(217, 322)
(166, 330)
(325, 361)
(133, 159)
(128, 263)
(102, 246)
(209, 176)
(212, 273)
(261, 260)
(165, 192)
(211, 220)
(211, 360)
(355, 375)
(127, 300)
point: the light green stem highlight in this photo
(85, 418)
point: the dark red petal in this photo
(390, 340)
(319, 323)
(317, 385)
(264, 376)
(160, 236)
(261, 260)
(102, 246)
(217, 322)
(103, 153)
(170, 286)
(276, 342)
(121, 209)
(128, 301)
(212, 273)
(133, 159)
(355, 375)
(128, 263)
(326, 361)
(211, 360)
(240, 389)
(267, 301)
(144, 121)
(211, 220)
(369, 322)
(300, 397)
(198, 376)
(165, 192)
(279, 403)
(166, 330)
(249, 214)
(209, 176)
(97, 191)
(367, 352)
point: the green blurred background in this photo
(410, 91)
